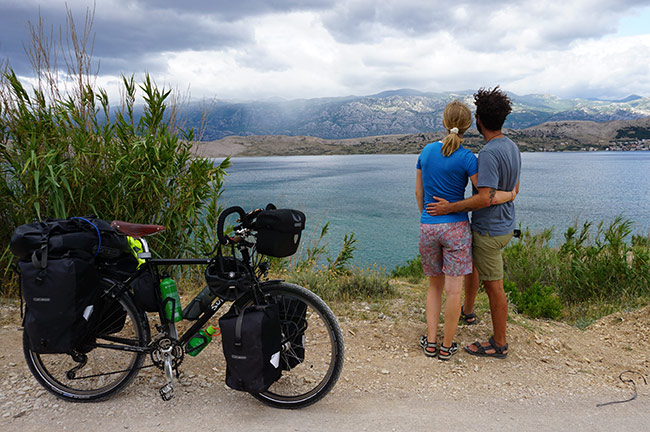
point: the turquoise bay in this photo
(373, 196)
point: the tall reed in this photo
(65, 150)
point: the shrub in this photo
(536, 301)
(412, 270)
(338, 279)
(356, 283)
(602, 265)
(530, 260)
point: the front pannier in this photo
(251, 341)
(279, 231)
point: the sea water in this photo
(373, 196)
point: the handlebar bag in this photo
(59, 296)
(251, 340)
(279, 231)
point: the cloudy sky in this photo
(257, 49)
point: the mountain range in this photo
(395, 112)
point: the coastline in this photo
(285, 145)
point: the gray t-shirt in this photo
(499, 167)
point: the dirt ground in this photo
(553, 379)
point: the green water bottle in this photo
(200, 340)
(172, 302)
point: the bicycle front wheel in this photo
(313, 347)
(105, 365)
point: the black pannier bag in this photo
(279, 231)
(293, 319)
(59, 279)
(251, 340)
(146, 289)
(59, 300)
(95, 236)
(108, 318)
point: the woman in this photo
(446, 241)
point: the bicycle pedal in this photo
(167, 392)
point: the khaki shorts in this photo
(487, 255)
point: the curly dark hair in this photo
(492, 106)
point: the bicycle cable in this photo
(110, 373)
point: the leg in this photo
(498, 309)
(453, 290)
(471, 290)
(457, 263)
(431, 253)
(489, 262)
(433, 306)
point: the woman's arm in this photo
(419, 190)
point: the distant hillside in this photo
(550, 136)
(395, 112)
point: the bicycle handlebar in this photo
(222, 218)
(246, 220)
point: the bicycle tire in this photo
(106, 371)
(322, 350)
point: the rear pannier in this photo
(59, 279)
(279, 231)
(59, 301)
(92, 235)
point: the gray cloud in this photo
(130, 35)
(125, 40)
(548, 24)
(134, 36)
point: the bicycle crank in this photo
(167, 355)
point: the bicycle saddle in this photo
(136, 230)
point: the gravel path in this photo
(552, 380)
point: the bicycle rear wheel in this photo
(105, 365)
(313, 347)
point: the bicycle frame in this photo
(151, 265)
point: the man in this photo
(499, 167)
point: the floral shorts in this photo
(446, 248)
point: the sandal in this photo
(445, 353)
(426, 347)
(468, 318)
(481, 351)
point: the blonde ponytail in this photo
(457, 118)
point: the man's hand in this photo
(441, 207)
